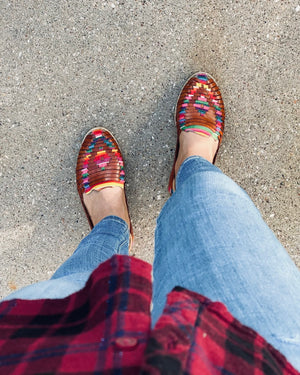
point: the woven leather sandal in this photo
(99, 165)
(199, 109)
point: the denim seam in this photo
(121, 245)
(115, 219)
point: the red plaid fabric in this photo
(105, 329)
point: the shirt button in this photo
(126, 343)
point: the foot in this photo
(106, 202)
(193, 144)
(199, 120)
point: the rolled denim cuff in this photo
(112, 225)
(109, 237)
(193, 165)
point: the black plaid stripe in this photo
(244, 353)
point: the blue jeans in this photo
(210, 238)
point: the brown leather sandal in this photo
(199, 109)
(100, 165)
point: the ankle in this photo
(106, 202)
(192, 144)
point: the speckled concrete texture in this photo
(68, 66)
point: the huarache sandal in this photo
(99, 165)
(199, 109)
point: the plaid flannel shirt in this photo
(105, 328)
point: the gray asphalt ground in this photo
(68, 66)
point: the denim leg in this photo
(110, 236)
(211, 239)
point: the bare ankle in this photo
(192, 144)
(106, 202)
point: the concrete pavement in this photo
(68, 66)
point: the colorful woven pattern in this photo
(100, 164)
(200, 109)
